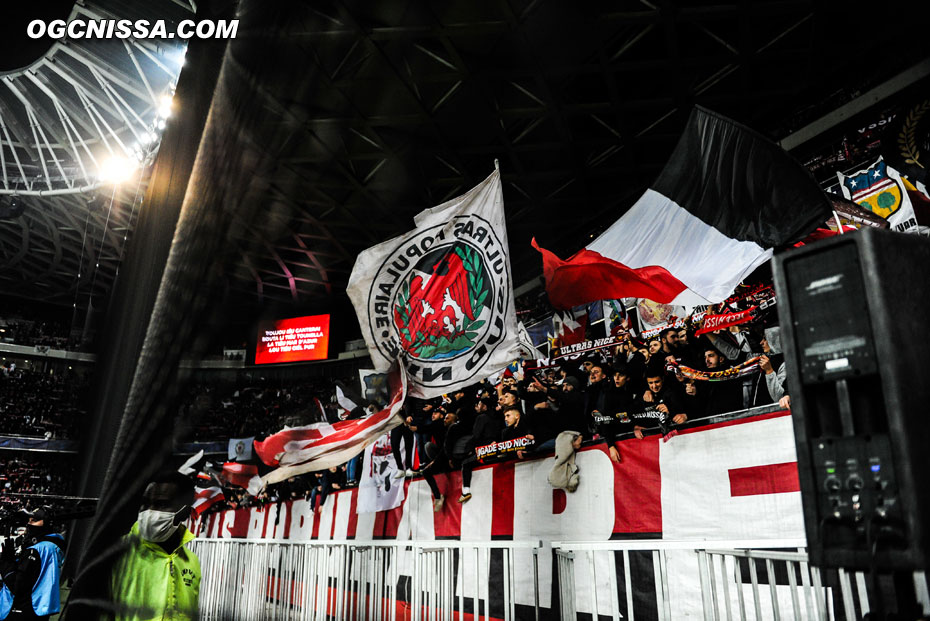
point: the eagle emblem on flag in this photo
(437, 313)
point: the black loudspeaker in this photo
(855, 313)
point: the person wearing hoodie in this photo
(37, 582)
(564, 473)
(772, 363)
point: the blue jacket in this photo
(6, 601)
(45, 594)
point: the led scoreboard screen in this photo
(292, 340)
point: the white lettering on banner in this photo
(301, 520)
(697, 500)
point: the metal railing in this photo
(262, 580)
(445, 580)
(737, 580)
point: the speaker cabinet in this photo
(855, 314)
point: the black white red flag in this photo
(726, 198)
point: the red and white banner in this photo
(733, 480)
(320, 446)
(206, 498)
(730, 481)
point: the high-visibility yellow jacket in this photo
(148, 584)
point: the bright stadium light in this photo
(117, 169)
(164, 108)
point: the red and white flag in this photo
(345, 402)
(206, 498)
(240, 475)
(569, 327)
(726, 198)
(322, 445)
(320, 407)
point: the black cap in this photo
(37, 514)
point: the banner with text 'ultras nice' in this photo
(441, 296)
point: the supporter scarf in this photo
(741, 370)
(736, 297)
(719, 322)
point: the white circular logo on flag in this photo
(439, 300)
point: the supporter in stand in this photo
(723, 396)
(689, 348)
(724, 344)
(405, 433)
(596, 396)
(670, 348)
(508, 399)
(568, 405)
(487, 427)
(772, 363)
(654, 346)
(661, 403)
(455, 447)
(332, 479)
(619, 404)
(516, 427)
(433, 433)
(695, 395)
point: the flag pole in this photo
(839, 225)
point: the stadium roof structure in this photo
(68, 116)
(399, 106)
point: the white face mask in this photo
(156, 526)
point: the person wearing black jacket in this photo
(487, 427)
(619, 404)
(595, 402)
(451, 453)
(724, 396)
(569, 402)
(516, 427)
(541, 416)
(331, 480)
(662, 403)
(459, 448)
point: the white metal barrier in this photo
(736, 580)
(262, 580)
(446, 580)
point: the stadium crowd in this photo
(43, 405)
(32, 480)
(634, 386)
(254, 406)
(51, 334)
